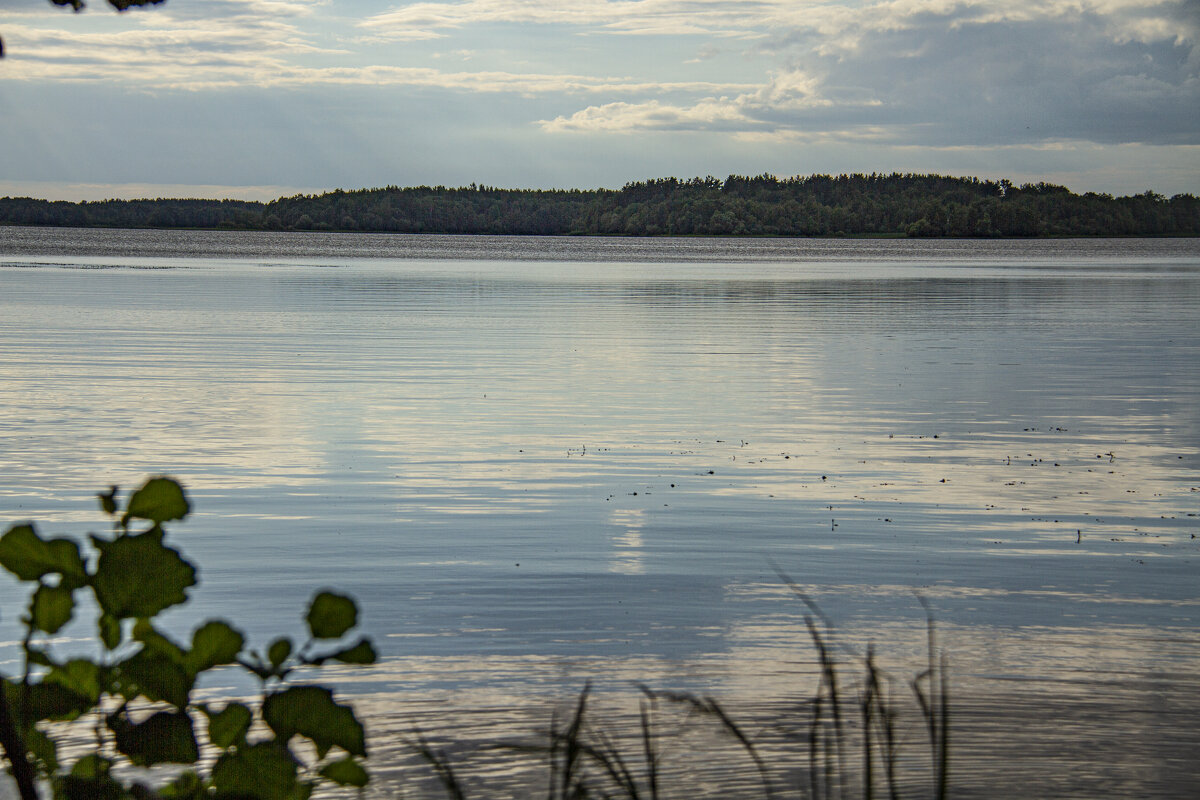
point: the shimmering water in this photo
(539, 461)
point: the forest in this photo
(817, 205)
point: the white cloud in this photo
(178, 45)
(843, 22)
(129, 55)
(743, 113)
(659, 17)
(623, 117)
(484, 81)
(222, 44)
(757, 76)
(954, 72)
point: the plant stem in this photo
(14, 749)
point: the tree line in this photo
(817, 205)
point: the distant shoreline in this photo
(844, 206)
(832, 236)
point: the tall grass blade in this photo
(885, 717)
(552, 750)
(867, 705)
(834, 749)
(571, 783)
(605, 753)
(441, 765)
(648, 750)
(707, 706)
(943, 788)
(935, 706)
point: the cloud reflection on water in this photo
(644, 443)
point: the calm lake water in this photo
(537, 462)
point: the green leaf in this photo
(108, 501)
(91, 766)
(278, 652)
(13, 694)
(70, 787)
(50, 701)
(187, 785)
(139, 576)
(119, 5)
(75, 4)
(42, 748)
(144, 632)
(311, 711)
(361, 653)
(166, 737)
(38, 656)
(30, 558)
(155, 676)
(214, 643)
(160, 500)
(51, 608)
(346, 772)
(228, 726)
(110, 631)
(255, 664)
(331, 615)
(79, 676)
(89, 780)
(264, 770)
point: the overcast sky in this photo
(262, 98)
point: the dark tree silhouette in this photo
(764, 205)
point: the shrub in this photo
(137, 695)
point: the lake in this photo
(538, 462)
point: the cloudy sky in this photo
(259, 98)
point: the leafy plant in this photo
(136, 697)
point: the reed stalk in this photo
(583, 760)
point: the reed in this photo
(440, 763)
(585, 759)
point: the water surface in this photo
(540, 461)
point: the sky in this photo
(257, 99)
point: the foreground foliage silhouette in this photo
(136, 697)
